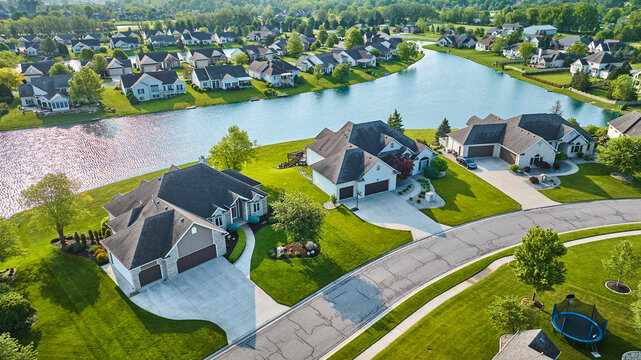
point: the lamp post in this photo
(358, 193)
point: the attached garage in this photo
(149, 275)
(479, 151)
(196, 258)
(376, 187)
(507, 155)
(346, 192)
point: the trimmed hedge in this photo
(240, 246)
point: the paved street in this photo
(313, 328)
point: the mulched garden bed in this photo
(620, 289)
(230, 242)
(264, 221)
(537, 303)
(67, 248)
(296, 250)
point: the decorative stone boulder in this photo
(280, 251)
(543, 178)
(429, 196)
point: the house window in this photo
(218, 221)
(536, 159)
(576, 148)
(154, 88)
(392, 145)
(378, 167)
(256, 207)
(141, 91)
(193, 230)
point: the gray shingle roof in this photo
(273, 67)
(200, 36)
(42, 66)
(628, 124)
(158, 56)
(218, 72)
(48, 84)
(602, 57)
(528, 345)
(167, 77)
(242, 177)
(349, 164)
(88, 42)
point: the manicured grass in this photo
(81, 312)
(409, 306)
(467, 197)
(593, 182)
(461, 325)
(562, 78)
(240, 246)
(638, 65)
(346, 241)
(422, 134)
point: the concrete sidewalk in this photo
(243, 263)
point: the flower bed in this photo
(295, 250)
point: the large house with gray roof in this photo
(36, 69)
(177, 221)
(625, 125)
(152, 85)
(224, 77)
(523, 140)
(46, 93)
(349, 162)
(598, 65)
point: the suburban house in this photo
(625, 125)
(349, 162)
(565, 42)
(325, 60)
(201, 38)
(523, 140)
(92, 36)
(493, 32)
(78, 45)
(119, 67)
(276, 72)
(307, 40)
(159, 41)
(148, 34)
(64, 38)
(32, 48)
(258, 36)
(123, 34)
(177, 221)
(36, 69)
(29, 38)
(156, 61)
(549, 58)
(225, 37)
(124, 43)
(527, 345)
(540, 30)
(512, 51)
(47, 93)
(224, 77)
(599, 64)
(152, 85)
(485, 44)
(457, 41)
(231, 53)
(607, 45)
(279, 47)
(410, 28)
(509, 28)
(205, 57)
(273, 30)
(177, 32)
(356, 56)
(255, 52)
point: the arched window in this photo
(536, 159)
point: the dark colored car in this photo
(468, 163)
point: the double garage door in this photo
(480, 151)
(376, 187)
(196, 258)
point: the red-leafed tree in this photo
(402, 165)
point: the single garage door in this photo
(478, 151)
(346, 192)
(376, 187)
(196, 258)
(149, 275)
(507, 155)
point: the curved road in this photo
(319, 323)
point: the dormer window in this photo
(256, 206)
(218, 220)
(392, 145)
(378, 167)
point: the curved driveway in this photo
(320, 322)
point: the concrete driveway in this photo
(390, 211)
(497, 172)
(215, 291)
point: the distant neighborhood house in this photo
(46, 93)
(625, 125)
(147, 86)
(224, 77)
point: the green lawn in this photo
(460, 328)
(240, 246)
(81, 312)
(593, 182)
(562, 78)
(467, 197)
(346, 241)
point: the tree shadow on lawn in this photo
(452, 187)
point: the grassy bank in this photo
(115, 99)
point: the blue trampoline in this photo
(578, 321)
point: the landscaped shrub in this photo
(543, 164)
(92, 249)
(108, 233)
(561, 156)
(253, 220)
(91, 237)
(333, 199)
(5, 288)
(514, 167)
(103, 49)
(232, 227)
(76, 238)
(74, 248)
(527, 169)
(103, 222)
(431, 172)
(439, 163)
(83, 239)
(4, 109)
(102, 258)
(579, 155)
(556, 166)
(271, 220)
(534, 179)
(15, 310)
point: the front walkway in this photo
(497, 172)
(390, 211)
(244, 262)
(215, 291)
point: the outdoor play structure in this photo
(578, 321)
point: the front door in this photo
(234, 211)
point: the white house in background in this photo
(512, 51)
(153, 85)
(124, 43)
(205, 57)
(35, 70)
(549, 58)
(522, 140)
(485, 44)
(201, 38)
(119, 67)
(356, 56)
(177, 221)
(565, 42)
(32, 48)
(64, 38)
(325, 60)
(156, 61)
(276, 72)
(78, 45)
(159, 41)
(255, 52)
(350, 161)
(224, 77)
(540, 30)
(599, 65)
(457, 41)
(607, 45)
(47, 93)
(92, 36)
(230, 54)
(225, 37)
(625, 125)
(187, 39)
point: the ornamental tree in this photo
(407, 49)
(353, 37)
(9, 59)
(85, 87)
(11, 78)
(403, 165)
(341, 73)
(579, 49)
(234, 150)
(318, 72)
(119, 54)
(99, 64)
(241, 59)
(581, 81)
(509, 315)
(330, 42)
(10, 349)
(9, 242)
(443, 129)
(623, 261)
(86, 54)
(396, 121)
(299, 216)
(294, 44)
(622, 153)
(59, 69)
(537, 261)
(526, 49)
(622, 89)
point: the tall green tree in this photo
(59, 69)
(10, 349)
(11, 78)
(322, 35)
(299, 216)
(581, 81)
(318, 73)
(9, 59)
(119, 54)
(498, 44)
(353, 37)
(623, 89)
(330, 42)
(407, 49)
(537, 261)
(86, 54)
(241, 59)
(622, 153)
(48, 46)
(623, 261)
(509, 315)
(443, 129)
(55, 201)
(9, 242)
(341, 72)
(396, 121)
(99, 64)
(85, 87)
(234, 150)
(294, 44)
(579, 49)
(526, 49)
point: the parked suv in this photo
(468, 163)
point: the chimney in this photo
(202, 160)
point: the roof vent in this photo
(166, 207)
(182, 219)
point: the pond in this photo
(101, 152)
